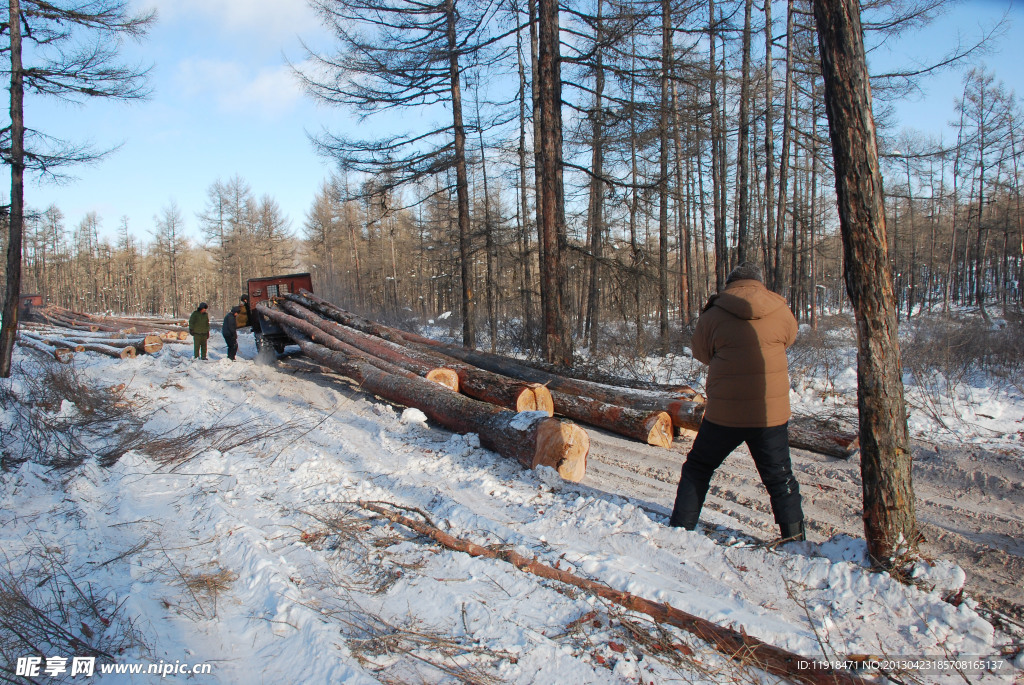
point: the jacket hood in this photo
(748, 300)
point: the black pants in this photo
(232, 341)
(770, 449)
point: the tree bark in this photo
(743, 153)
(890, 524)
(461, 183)
(557, 335)
(16, 220)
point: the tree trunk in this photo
(595, 211)
(461, 183)
(743, 154)
(557, 336)
(787, 114)
(526, 268)
(16, 220)
(890, 524)
(663, 180)
(769, 145)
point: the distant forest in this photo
(693, 137)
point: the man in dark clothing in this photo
(230, 332)
(742, 336)
(199, 328)
(245, 314)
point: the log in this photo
(531, 438)
(62, 355)
(62, 323)
(79, 335)
(652, 427)
(299, 329)
(323, 333)
(829, 443)
(116, 352)
(89, 320)
(148, 344)
(736, 644)
(53, 341)
(478, 384)
(595, 375)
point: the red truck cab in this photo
(270, 290)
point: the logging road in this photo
(970, 502)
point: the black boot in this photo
(793, 531)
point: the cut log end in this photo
(152, 344)
(659, 429)
(128, 353)
(543, 399)
(445, 377)
(564, 447)
(526, 400)
(64, 356)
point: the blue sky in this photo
(224, 103)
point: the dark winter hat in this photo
(244, 298)
(203, 305)
(235, 310)
(745, 271)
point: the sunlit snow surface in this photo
(314, 588)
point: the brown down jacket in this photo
(742, 336)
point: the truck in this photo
(269, 290)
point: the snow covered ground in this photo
(209, 545)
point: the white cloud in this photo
(271, 20)
(270, 91)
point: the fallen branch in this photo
(739, 646)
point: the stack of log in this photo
(643, 411)
(169, 330)
(514, 419)
(68, 333)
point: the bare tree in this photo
(398, 54)
(82, 41)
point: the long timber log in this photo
(652, 427)
(477, 383)
(531, 438)
(62, 355)
(116, 352)
(59, 321)
(53, 341)
(829, 443)
(88, 320)
(297, 328)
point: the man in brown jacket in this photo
(742, 336)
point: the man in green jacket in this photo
(199, 328)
